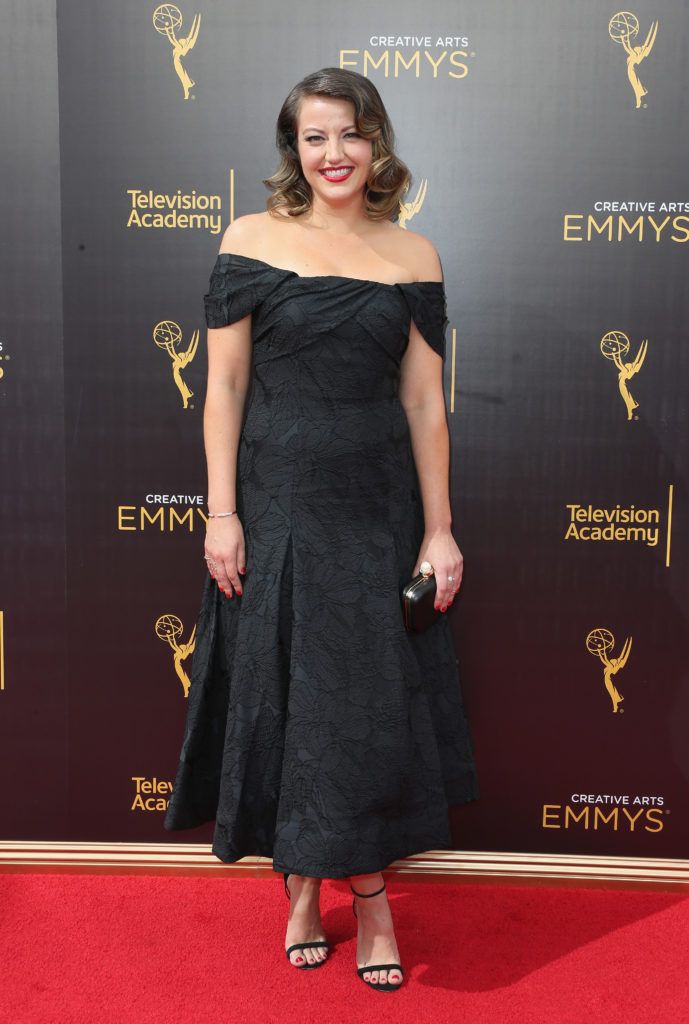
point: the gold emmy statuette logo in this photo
(600, 641)
(624, 27)
(169, 628)
(168, 335)
(166, 19)
(407, 210)
(615, 345)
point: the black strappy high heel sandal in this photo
(303, 945)
(387, 986)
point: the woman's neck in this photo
(337, 220)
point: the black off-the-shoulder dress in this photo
(318, 731)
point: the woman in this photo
(319, 732)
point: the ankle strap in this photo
(367, 895)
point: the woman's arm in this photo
(229, 368)
(229, 375)
(423, 398)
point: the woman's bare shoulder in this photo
(417, 253)
(245, 234)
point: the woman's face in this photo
(335, 159)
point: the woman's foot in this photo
(375, 942)
(304, 924)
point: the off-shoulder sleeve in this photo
(236, 288)
(428, 309)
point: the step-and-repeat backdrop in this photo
(549, 149)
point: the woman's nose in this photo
(333, 151)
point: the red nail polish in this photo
(243, 569)
(240, 592)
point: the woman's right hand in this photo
(225, 553)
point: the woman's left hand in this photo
(440, 549)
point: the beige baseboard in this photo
(454, 866)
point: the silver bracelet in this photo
(219, 515)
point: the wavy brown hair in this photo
(388, 177)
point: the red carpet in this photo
(190, 950)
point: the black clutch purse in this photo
(418, 602)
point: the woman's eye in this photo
(318, 138)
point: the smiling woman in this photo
(311, 129)
(334, 153)
(319, 731)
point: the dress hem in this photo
(316, 872)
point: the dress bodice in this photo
(280, 298)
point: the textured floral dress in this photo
(319, 732)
